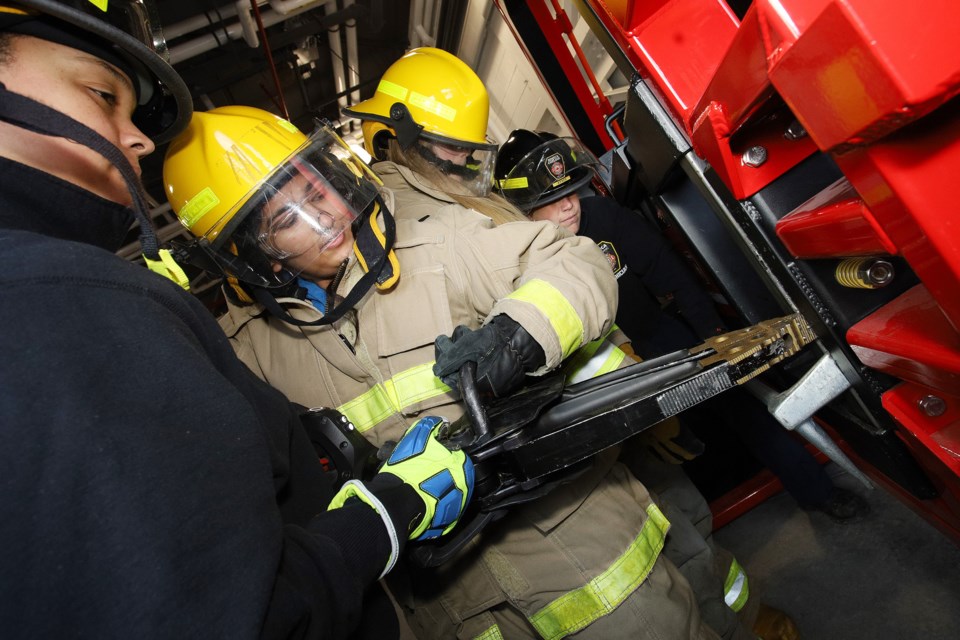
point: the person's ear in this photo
(277, 267)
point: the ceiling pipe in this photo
(245, 27)
(336, 56)
(416, 17)
(421, 23)
(353, 59)
(431, 18)
(288, 7)
(199, 21)
(191, 48)
(251, 32)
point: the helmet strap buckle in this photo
(407, 130)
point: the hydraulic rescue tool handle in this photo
(471, 398)
(527, 444)
(339, 445)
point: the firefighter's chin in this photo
(571, 224)
(91, 171)
(69, 161)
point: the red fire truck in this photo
(803, 153)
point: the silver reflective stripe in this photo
(604, 360)
(736, 589)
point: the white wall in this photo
(517, 97)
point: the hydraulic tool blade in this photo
(590, 418)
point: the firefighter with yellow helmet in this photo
(428, 119)
(272, 207)
(436, 107)
(515, 298)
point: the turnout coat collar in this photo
(33, 200)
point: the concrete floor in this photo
(890, 576)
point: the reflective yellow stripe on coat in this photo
(493, 633)
(407, 387)
(575, 610)
(593, 359)
(736, 588)
(557, 309)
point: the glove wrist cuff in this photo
(404, 505)
(531, 354)
(356, 489)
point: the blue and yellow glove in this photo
(443, 478)
(421, 490)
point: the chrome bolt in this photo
(880, 273)
(932, 406)
(754, 156)
(795, 131)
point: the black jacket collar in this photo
(32, 200)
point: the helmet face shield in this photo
(470, 166)
(307, 204)
(305, 213)
(547, 173)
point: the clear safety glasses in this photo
(305, 214)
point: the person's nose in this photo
(136, 145)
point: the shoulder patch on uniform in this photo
(610, 252)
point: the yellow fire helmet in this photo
(432, 98)
(229, 156)
(258, 192)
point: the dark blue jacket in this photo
(648, 270)
(152, 487)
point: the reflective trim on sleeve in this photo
(593, 359)
(493, 633)
(736, 588)
(407, 387)
(575, 610)
(551, 303)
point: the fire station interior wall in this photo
(518, 99)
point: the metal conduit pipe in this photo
(199, 21)
(245, 27)
(336, 55)
(353, 59)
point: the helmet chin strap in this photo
(29, 114)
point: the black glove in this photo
(503, 350)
